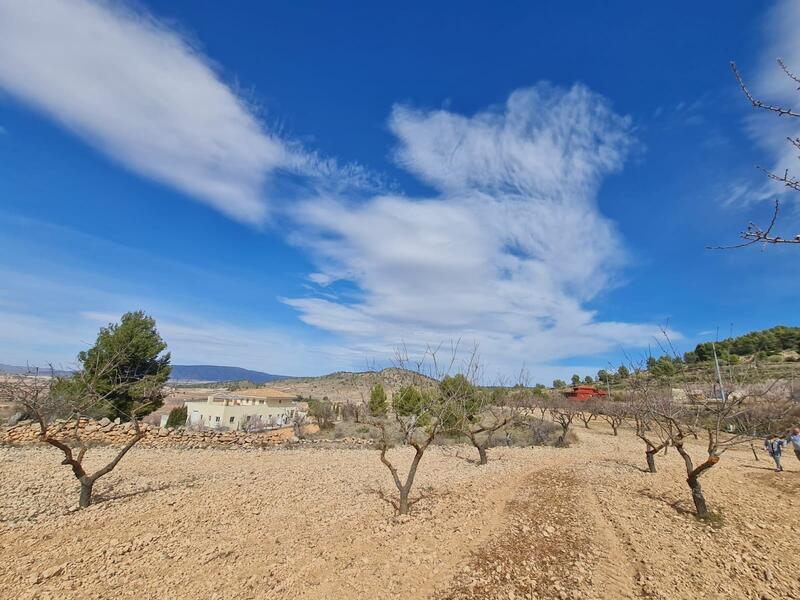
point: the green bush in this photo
(322, 411)
(177, 417)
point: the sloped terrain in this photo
(345, 386)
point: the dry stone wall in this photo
(106, 431)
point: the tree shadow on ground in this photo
(627, 465)
(392, 498)
(109, 495)
(678, 506)
(765, 468)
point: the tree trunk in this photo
(562, 439)
(403, 506)
(651, 460)
(614, 427)
(405, 490)
(753, 448)
(483, 459)
(86, 492)
(697, 497)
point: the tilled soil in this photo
(580, 522)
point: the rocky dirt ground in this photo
(582, 522)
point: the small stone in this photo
(52, 572)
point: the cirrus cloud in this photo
(507, 253)
(140, 93)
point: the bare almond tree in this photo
(563, 412)
(589, 412)
(419, 412)
(480, 418)
(46, 398)
(479, 413)
(755, 234)
(613, 413)
(650, 429)
(702, 427)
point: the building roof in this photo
(267, 393)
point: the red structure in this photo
(581, 393)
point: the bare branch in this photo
(781, 111)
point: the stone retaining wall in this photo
(111, 432)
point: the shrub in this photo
(322, 411)
(530, 432)
(177, 417)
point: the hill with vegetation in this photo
(762, 344)
(346, 386)
(768, 354)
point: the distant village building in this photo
(237, 410)
(581, 393)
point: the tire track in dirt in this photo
(614, 575)
(545, 549)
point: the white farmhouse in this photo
(234, 410)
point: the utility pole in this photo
(719, 374)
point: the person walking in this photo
(773, 444)
(794, 438)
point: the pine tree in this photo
(139, 369)
(377, 401)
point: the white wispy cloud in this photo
(769, 83)
(140, 93)
(508, 251)
(506, 254)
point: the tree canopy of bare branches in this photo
(753, 233)
(613, 413)
(563, 412)
(720, 421)
(479, 414)
(420, 411)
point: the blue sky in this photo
(300, 187)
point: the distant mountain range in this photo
(17, 370)
(219, 373)
(179, 373)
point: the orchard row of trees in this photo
(123, 374)
(700, 428)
